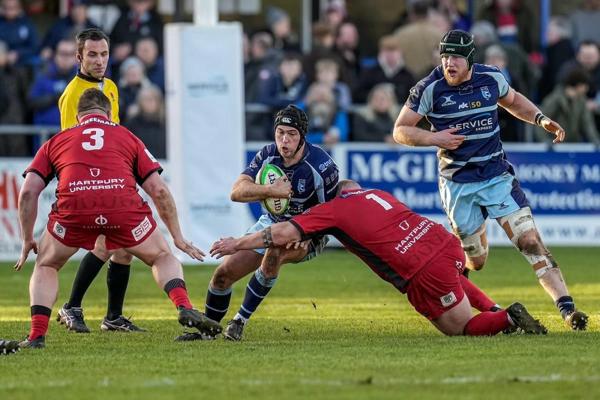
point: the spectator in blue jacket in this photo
(17, 31)
(287, 85)
(66, 27)
(51, 82)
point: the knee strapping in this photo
(475, 245)
(516, 225)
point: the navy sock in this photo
(217, 303)
(257, 289)
(565, 305)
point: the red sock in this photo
(179, 297)
(479, 300)
(487, 323)
(39, 326)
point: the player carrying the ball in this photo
(460, 99)
(311, 178)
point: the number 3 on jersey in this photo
(386, 206)
(96, 139)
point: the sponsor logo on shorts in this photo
(95, 172)
(101, 220)
(59, 230)
(142, 229)
(448, 299)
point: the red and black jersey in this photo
(98, 164)
(388, 236)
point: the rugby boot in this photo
(37, 343)
(577, 320)
(120, 324)
(72, 318)
(192, 318)
(523, 320)
(234, 330)
(8, 347)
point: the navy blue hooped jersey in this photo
(314, 178)
(472, 107)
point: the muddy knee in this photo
(221, 278)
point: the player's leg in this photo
(263, 280)
(436, 292)
(467, 219)
(71, 313)
(232, 269)
(43, 286)
(521, 230)
(168, 274)
(117, 279)
(476, 248)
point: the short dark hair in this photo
(575, 77)
(94, 34)
(93, 99)
(587, 42)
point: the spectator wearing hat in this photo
(284, 39)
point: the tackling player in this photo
(417, 256)
(92, 54)
(312, 178)
(460, 99)
(98, 164)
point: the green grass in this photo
(360, 339)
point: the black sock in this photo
(565, 305)
(87, 272)
(217, 303)
(117, 279)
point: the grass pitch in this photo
(330, 329)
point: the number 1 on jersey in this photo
(386, 206)
(97, 140)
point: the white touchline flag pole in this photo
(205, 124)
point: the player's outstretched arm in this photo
(522, 108)
(28, 209)
(165, 205)
(407, 133)
(245, 190)
(276, 235)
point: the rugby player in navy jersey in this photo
(416, 255)
(312, 178)
(460, 99)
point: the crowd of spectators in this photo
(348, 95)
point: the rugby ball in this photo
(266, 176)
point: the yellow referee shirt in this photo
(67, 104)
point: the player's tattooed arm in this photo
(276, 235)
(267, 237)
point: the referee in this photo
(92, 55)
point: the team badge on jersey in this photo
(301, 185)
(485, 92)
(448, 299)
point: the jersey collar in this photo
(90, 116)
(88, 78)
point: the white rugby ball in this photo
(266, 176)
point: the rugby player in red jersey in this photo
(416, 255)
(98, 164)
